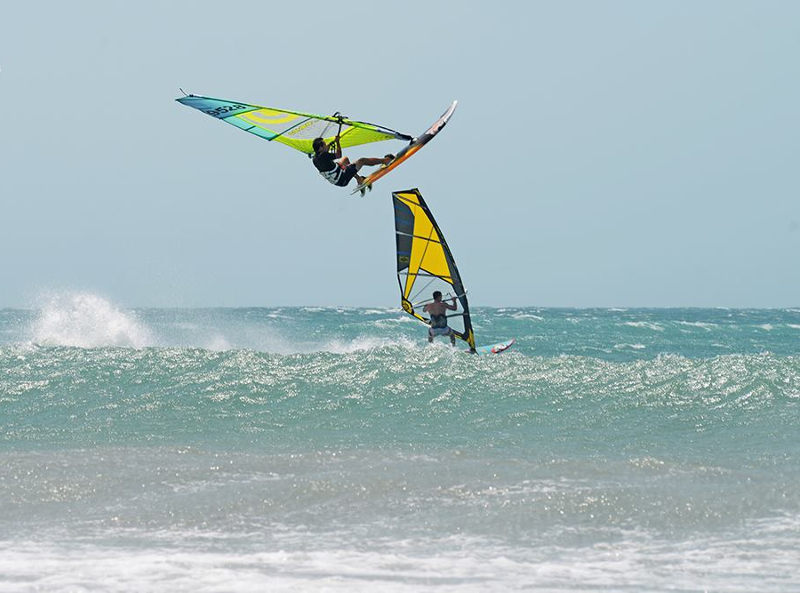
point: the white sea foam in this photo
(87, 321)
(701, 324)
(645, 325)
(470, 564)
(527, 316)
(629, 346)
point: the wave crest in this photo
(87, 321)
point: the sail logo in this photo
(297, 130)
(223, 110)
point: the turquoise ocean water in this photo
(326, 449)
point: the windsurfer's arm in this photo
(338, 147)
(453, 306)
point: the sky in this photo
(603, 154)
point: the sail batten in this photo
(424, 258)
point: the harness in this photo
(334, 174)
(439, 321)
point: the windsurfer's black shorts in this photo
(439, 331)
(347, 175)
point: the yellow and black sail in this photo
(425, 264)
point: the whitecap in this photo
(699, 324)
(645, 325)
(87, 320)
(527, 316)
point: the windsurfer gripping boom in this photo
(438, 312)
(338, 169)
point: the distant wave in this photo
(86, 320)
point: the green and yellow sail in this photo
(292, 128)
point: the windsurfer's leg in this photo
(368, 162)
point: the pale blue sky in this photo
(603, 153)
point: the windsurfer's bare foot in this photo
(388, 159)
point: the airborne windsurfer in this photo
(438, 311)
(340, 172)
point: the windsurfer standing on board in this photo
(340, 172)
(438, 311)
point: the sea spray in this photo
(86, 320)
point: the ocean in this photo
(332, 449)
